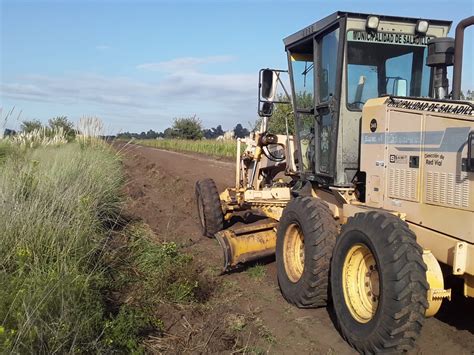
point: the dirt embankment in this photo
(244, 311)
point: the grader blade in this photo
(245, 244)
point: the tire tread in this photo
(403, 314)
(206, 190)
(313, 287)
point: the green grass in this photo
(75, 276)
(257, 271)
(209, 147)
(165, 275)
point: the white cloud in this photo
(102, 47)
(128, 103)
(184, 64)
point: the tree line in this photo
(187, 128)
(59, 123)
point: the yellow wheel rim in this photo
(360, 282)
(293, 252)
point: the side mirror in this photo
(269, 81)
(265, 109)
(267, 84)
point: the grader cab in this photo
(374, 191)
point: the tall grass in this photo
(56, 204)
(208, 147)
(75, 277)
(5, 149)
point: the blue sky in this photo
(139, 64)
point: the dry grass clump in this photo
(40, 137)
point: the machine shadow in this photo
(250, 264)
(242, 218)
(457, 312)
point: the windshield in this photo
(384, 63)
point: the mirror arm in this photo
(284, 88)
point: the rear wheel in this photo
(209, 207)
(378, 283)
(305, 239)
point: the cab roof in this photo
(329, 20)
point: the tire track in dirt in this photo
(161, 189)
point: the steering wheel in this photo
(271, 156)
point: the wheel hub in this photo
(360, 278)
(293, 252)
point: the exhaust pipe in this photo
(458, 51)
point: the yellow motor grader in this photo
(374, 192)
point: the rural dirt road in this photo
(245, 312)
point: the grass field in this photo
(209, 147)
(69, 259)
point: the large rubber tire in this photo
(400, 295)
(209, 207)
(304, 282)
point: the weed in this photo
(257, 271)
(123, 332)
(166, 274)
(255, 350)
(264, 332)
(236, 322)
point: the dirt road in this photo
(161, 190)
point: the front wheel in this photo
(209, 207)
(306, 235)
(378, 283)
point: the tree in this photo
(187, 128)
(31, 125)
(469, 95)
(151, 134)
(62, 122)
(125, 135)
(9, 132)
(277, 122)
(218, 131)
(213, 133)
(240, 132)
(283, 112)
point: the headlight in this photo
(372, 23)
(421, 27)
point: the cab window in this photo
(302, 66)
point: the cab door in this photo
(328, 47)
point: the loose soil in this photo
(244, 312)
